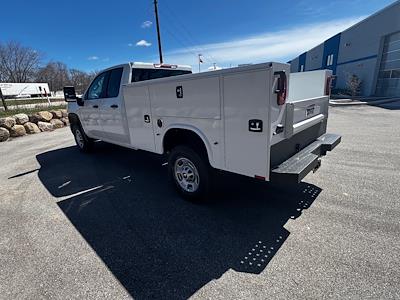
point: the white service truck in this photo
(258, 120)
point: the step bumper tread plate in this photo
(299, 165)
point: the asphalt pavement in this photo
(109, 224)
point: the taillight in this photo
(328, 85)
(281, 90)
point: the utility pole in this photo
(158, 30)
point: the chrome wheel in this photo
(186, 175)
(79, 139)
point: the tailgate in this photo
(304, 114)
(308, 100)
(305, 117)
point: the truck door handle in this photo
(114, 106)
(95, 106)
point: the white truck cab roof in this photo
(143, 65)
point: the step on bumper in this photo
(299, 165)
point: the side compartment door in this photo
(140, 120)
(246, 123)
(89, 113)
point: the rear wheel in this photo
(84, 143)
(190, 173)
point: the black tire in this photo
(84, 143)
(189, 158)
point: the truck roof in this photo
(143, 65)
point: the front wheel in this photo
(190, 173)
(84, 143)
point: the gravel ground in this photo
(108, 224)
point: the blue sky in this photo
(92, 35)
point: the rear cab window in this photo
(149, 74)
(114, 82)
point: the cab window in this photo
(98, 88)
(114, 83)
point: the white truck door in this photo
(89, 113)
(246, 122)
(112, 109)
(139, 117)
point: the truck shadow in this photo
(395, 105)
(156, 244)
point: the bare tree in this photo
(22, 64)
(18, 63)
(80, 80)
(354, 84)
(56, 74)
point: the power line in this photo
(182, 26)
(184, 43)
(186, 34)
(178, 40)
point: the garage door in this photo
(389, 73)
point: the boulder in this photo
(65, 121)
(17, 130)
(45, 126)
(44, 116)
(57, 114)
(57, 123)
(4, 134)
(21, 119)
(31, 128)
(7, 122)
(64, 113)
(34, 118)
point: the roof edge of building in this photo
(373, 15)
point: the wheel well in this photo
(73, 119)
(177, 136)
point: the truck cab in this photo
(102, 110)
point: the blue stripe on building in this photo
(302, 61)
(331, 46)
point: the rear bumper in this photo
(299, 165)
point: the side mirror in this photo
(70, 95)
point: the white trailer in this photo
(258, 120)
(24, 90)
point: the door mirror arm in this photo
(79, 101)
